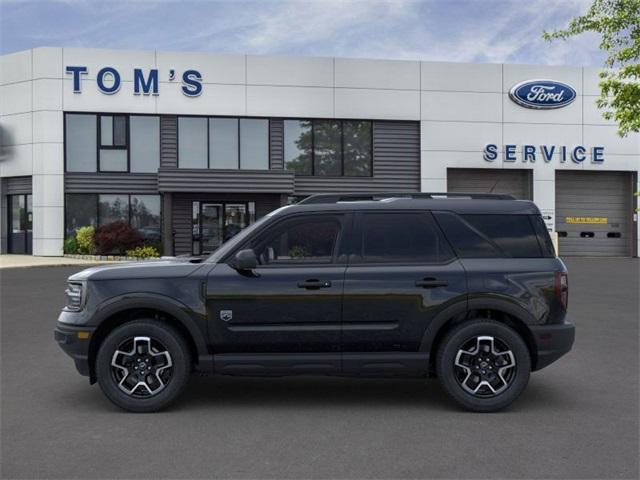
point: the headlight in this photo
(75, 296)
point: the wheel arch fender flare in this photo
(151, 301)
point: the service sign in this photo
(542, 94)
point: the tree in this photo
(618, 23)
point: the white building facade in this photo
(190, 147)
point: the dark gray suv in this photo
(464, 287)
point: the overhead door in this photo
(516, 183)
(594, 213)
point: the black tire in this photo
(452, 377)
(168, 384)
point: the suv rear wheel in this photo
(143, 365)
(483, 365)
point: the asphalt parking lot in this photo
(577, 419)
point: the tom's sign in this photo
(108, 80)
(542, 94)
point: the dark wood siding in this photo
(214, 180)
(396, 164)
(182, 212)
(276, 146)
(18, 185)
(168, 141)
(110, 183)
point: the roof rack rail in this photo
(363, 197)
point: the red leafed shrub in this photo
(116, 238)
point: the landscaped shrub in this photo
(70, 245)
(85, 240)
(146, 251)
(116, 238)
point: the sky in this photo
(487, 31)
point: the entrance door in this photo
(20, 221)
(211, 227)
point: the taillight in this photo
(562, 288)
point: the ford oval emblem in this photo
(542, 94)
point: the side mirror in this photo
(245, 260)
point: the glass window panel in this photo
(327, 148)
(402, 238)
(112, 208)
(195, 228)
(301, 240)
(120, 131)
(513, 234)
(192, 142)
(106, 131)
(467, 242)
(297, 146)
(146, 218)
(235, 219)
(29, 219)
(113, 160)
(80, 210)
(223, 142)
(17, 213)
(80, 142)
(254, 144)
(145, 143)
(357, 149)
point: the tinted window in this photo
(145, 217)
(254, 144)
(402, 238)
(145, 143)
(327, 140)
(513, 234)
(297, 146)
(192, 142)
(112, 208)
(467, 242)
(80, 142)
(357, 148)
(223, 142)
(301, 240)
(543, 236)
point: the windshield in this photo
(233, 242)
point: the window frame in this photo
(98, 116)
(339, 258)
(313, 146)
(356, 258)
(239, 156)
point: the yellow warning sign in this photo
(587, 220)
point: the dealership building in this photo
(189, 148)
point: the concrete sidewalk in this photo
(25, 261)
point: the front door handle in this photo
(314, 284)
(431, 283)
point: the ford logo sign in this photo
(542, 94)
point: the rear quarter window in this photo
(491, 235)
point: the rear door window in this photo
(399, 237)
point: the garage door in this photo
(593, 213)
(516, 183)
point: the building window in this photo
(297, 146)
(80, 142)
(213, 223)
(144, 143)
(192, 142)
(142, 212)
(329, 147)
(112, 143)
(223, 143)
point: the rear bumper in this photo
(74, 341)
(552, 342)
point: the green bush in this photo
(70, 245)
(143, 252)
(84, 238)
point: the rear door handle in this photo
(431, 283)
(314, 284)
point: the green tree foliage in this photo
(618, 23)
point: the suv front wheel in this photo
(483, 365)
(143, 365)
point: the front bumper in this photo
(552, 342)
(75, 343)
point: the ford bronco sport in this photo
(465, 287)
